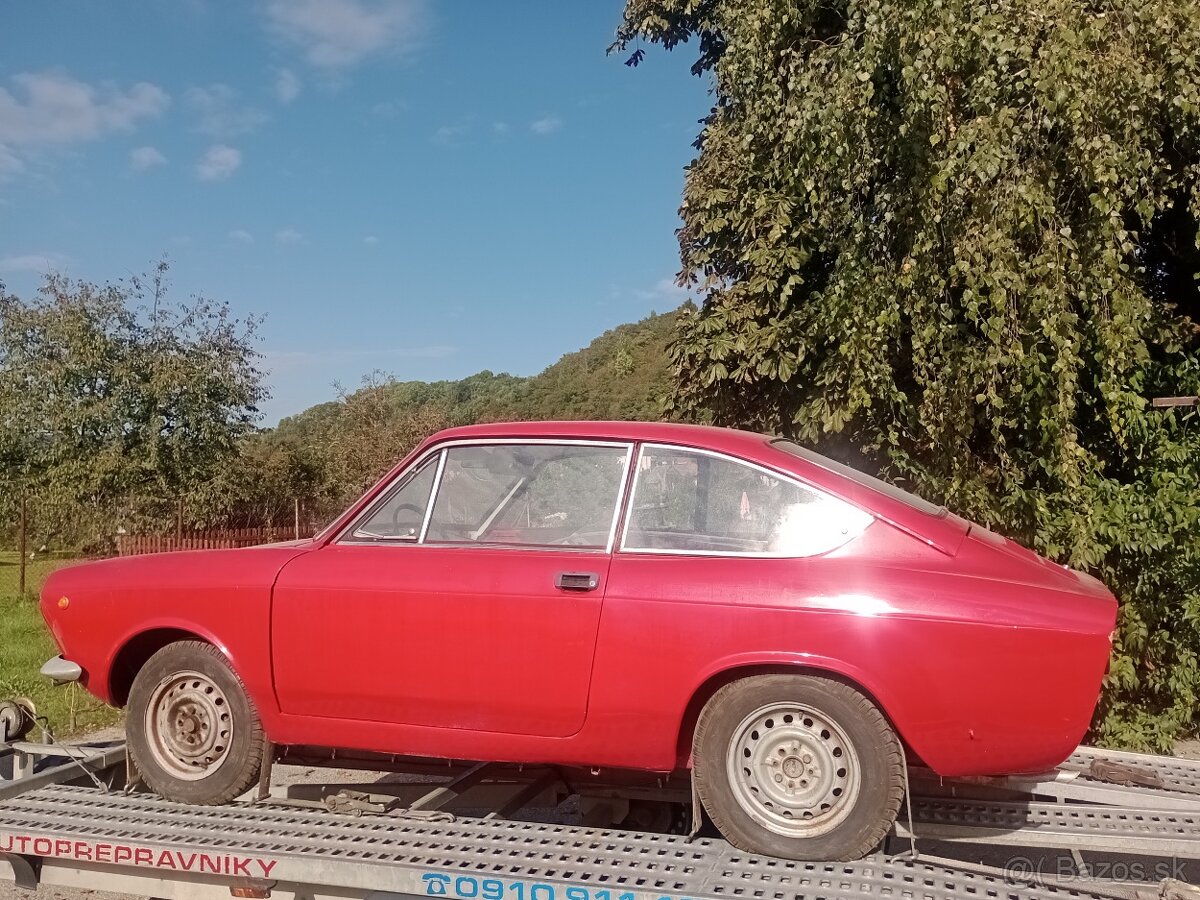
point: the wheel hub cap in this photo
(793, 770)
(189, 725)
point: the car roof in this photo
(705, 437)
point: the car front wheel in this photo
(194, 733)
(798, 766)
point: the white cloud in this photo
(370, 239)
(59, 109)
(279, 362)
(142, 158)
(9, 164)
(288, 236)
(39, 263)
(501, 128)
(664, 289)
(545, 125)
(338, 33)
(449, 134)
(287, 86)
(221, 113)
(241, 236)
(218, 163)
(389, 109)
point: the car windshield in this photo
(868, 481)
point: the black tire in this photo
(193, 731)
(847, 758)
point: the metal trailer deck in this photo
(90, 833)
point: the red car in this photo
(626, 595)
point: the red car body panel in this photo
(496, 628)
(221, 596)
(987, 658)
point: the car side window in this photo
(689, 502)
(528, 494)
(401, 515)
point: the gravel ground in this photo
(284, 776)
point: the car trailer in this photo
(68, 819)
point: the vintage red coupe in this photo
(620, 595)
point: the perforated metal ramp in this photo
(490, 860)
(1072, 826)
(1181, 775)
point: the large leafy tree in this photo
(117, 402)
(957, 242)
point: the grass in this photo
(25, 644)
(35, 573)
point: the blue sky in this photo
(420, 187)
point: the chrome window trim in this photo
(346, 536)
(433, 491)
(468, 545)
(616, 518)
(737, 460)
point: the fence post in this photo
(297, 518)
(179, 522)
(21, 548)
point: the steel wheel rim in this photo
(793, 770)
(189, 725)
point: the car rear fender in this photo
(776, 663)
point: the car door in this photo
(717, 556)
(468, 596)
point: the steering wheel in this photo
(407, 530)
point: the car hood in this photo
(194, 568)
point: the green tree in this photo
(265, 482)
(115, 402)
(956, 242)
(371, 433)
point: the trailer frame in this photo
(68, 818)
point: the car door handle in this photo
(577, 581)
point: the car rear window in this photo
(868, 481)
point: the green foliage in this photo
(261, 485)
(371, 430)
(957, 242)
(335, 450)
(622, 375)
(25, 644)
(115, 403)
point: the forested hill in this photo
(328, 454)
(622, 374)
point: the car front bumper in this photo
(62, 671)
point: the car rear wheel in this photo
(798, 766)
(193, 731)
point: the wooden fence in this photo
(215, 539)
